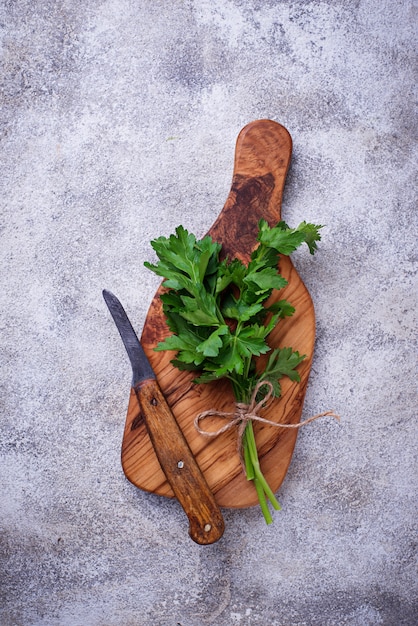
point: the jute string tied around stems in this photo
(245, 413)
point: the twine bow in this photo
(245, 413)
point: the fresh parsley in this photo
(216, 310)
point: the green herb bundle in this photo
(216, 309)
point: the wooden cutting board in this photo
(262, 157)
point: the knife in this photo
(206, 524)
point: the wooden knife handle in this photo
(206, 524)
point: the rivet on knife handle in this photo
(173, 452)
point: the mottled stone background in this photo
(118, 122)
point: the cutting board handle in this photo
(262, 158)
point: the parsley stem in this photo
(247, 368)
(249, 469)
(262, 500)
(254, 472)
(242, 393)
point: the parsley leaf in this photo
(282, 307)
(285, 240)
(283, 362)
(211, 346)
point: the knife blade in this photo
(206, 524)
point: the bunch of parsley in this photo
(216, 309)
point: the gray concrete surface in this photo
(118, 122)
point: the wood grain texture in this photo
(262, 157)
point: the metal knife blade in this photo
(206, 524)
(141, 367)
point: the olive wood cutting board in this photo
(262, 157)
